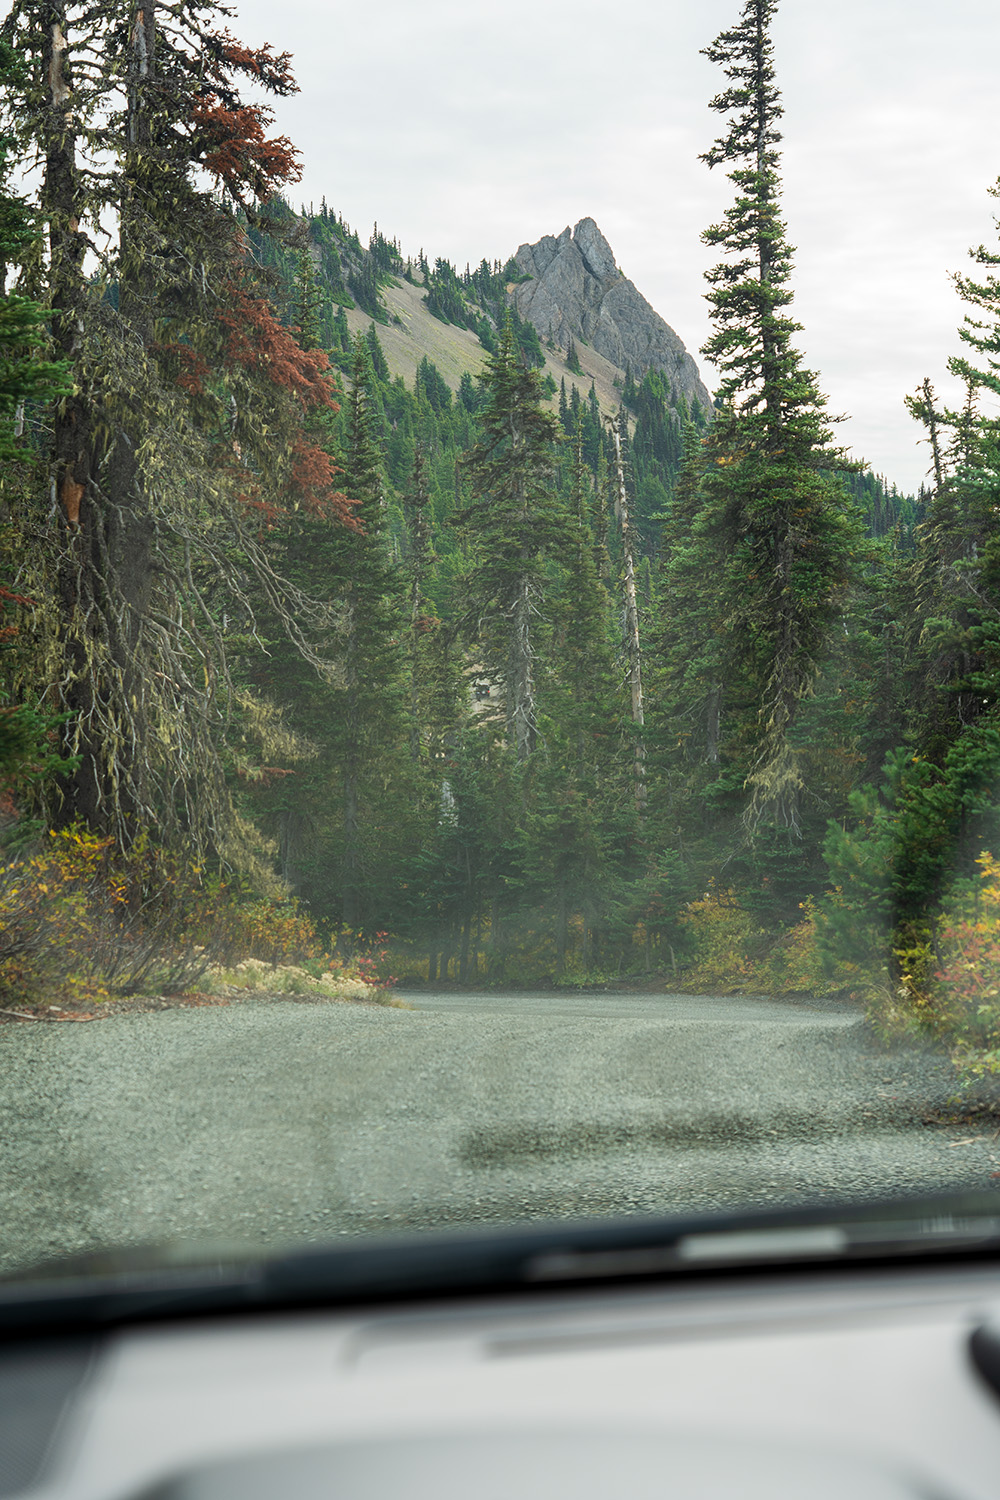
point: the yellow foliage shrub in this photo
(76, 912)
(964, 993)
(732, 950)
(795, 963)
(724, 937)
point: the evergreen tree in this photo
(781, 530)
(28, 380)
(184, 434)
(581, 824)
(696, 770)
(467, 393)
(380, 365)
(943, 786)
(434, 689)
(341, 329)
(307, 302)
(369, 702)
(514, 525)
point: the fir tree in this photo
(28, 380)
(380, 365)
(418, 535)
(514, 525)
(306, 313)
(341, 329)
(372, 606)
(564, 417)
(27, 377)
(184, 434)
(781, 530)
(949, 599)
(582, 816)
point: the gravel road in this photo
(280, 1122)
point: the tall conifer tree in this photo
(582, 814)
(944, 799)
(516, 522)
(782, 528)
(184, 433)
(372, 600)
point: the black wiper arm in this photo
(777, 1244)
(114, 1288)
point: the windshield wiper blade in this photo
(118, 1287)
(776, 1244)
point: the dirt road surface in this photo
(277, 1123)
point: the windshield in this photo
(500, 649)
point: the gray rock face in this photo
(577, 292)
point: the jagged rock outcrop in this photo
(577, 292)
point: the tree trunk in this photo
(351, 865)
(467, 919)
(562, 926)
(476, 942)
(72, 431)
(105, 574)
(496, 941)
(521, 687)
(296, 849)
(633, 651)
(463, 952)
(129, 529)
(712, 717)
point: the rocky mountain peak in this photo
(577, 293)
(598, 256)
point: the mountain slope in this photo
(578, 301)
(413, 333)
(577, 293)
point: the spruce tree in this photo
(944, 786)
(308, 302)
(371, 600)
(28, 380)
(582, 814)
(435, 686)
(27, 377)
(686, 644)
(515, 524)
(183, 439)
(781, 529)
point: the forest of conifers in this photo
(537, 692)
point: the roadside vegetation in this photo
(80, 922)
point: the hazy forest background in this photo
(305, 663)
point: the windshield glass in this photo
(470, 752)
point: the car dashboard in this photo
(861, 1382)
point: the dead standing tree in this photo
(630, 610)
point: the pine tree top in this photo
(764, 384)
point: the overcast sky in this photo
(467, 130)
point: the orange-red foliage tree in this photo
(194, 431)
